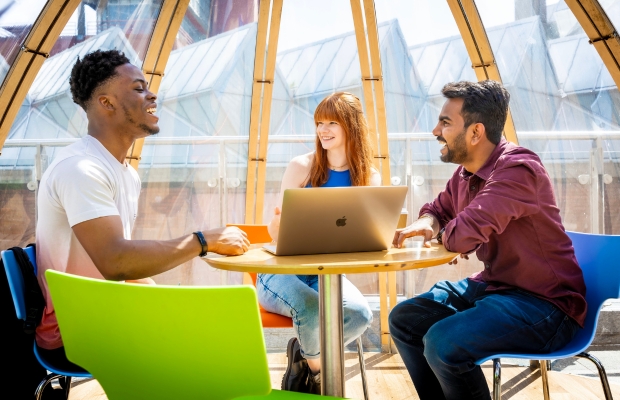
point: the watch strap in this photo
(203, 243)
(440, 235)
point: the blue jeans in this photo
(297, 296)
(441, 333)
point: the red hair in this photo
(345, 109)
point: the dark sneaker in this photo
(296, 376)
(314, 383)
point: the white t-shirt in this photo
(83, 182)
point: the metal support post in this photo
(596, 187)
(332, 349)
(545, 378)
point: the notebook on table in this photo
(338, 220)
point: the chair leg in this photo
(601, 373)
(545, 378)
(68, 383)
(497, 379)
(360, 354)
(50, 377)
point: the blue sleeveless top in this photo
(336, 179)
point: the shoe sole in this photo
(289, 356)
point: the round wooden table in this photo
(330, 268)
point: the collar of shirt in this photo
(485, 171)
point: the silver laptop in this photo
(338, 220)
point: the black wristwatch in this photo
(440, 236)
(203, 243)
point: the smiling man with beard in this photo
(530, 296)
(88, 197)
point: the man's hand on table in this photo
(228, 241)
(421, 227)
(456, 260)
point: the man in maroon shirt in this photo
(499, 203)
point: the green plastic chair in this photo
(165, 342)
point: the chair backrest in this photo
(16, 280)
(599, 263)
(163, 342)
(256, 234)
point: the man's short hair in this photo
(92, 71)
(484, 102)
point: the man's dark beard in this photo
(143, 127)
(457, 154)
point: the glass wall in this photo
(16, 19)
(316, 56)
(48, 118)
(421, 51)
(194, 171)
(564, 104)
(17, 200)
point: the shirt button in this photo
(472, 187)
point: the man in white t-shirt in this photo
(88, 197)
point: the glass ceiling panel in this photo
(612, 9)
(316, 73)
(181, 66)
(336, 74)
(123, 25)
(16, 19)
(563, 102)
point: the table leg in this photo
(331, 331)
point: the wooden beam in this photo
(601, 32)
(156, 57)
(479, 49)
(372, 80)
(270, 71)
(257, 91)
(377, 82)
(34, 52)
(362, 50)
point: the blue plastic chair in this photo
(597, 256)
(16, 284)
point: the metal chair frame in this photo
(595, 254)
(16, 284)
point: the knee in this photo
(357, 317)
(443, 349)
(307, 314)
(406, 320)
(396, 321)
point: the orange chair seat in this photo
(272, 320)
(259, 234)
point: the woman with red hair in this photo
(343, 157)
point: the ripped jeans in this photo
(297, 296)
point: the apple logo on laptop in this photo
(341, 221)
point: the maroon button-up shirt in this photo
(506, 212)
